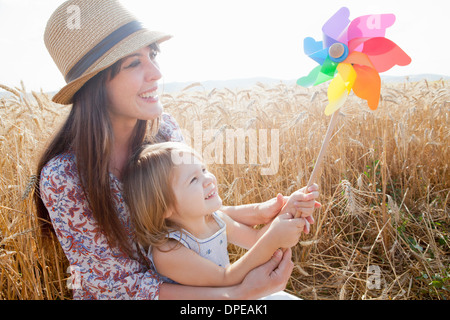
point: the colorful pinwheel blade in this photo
(310, 45)
(335, 105)
(310, 79)
(370, 26)
(367, 85)
(329, 67)
(355, 63)
(358, 58)
(315, 77)
(340, 87)
(314, 49)
(319, 56)
(335, 27)
(382, 52)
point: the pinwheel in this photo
(351, 55)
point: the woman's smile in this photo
(150, 96)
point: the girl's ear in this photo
(168, 213)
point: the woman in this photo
(108, 62)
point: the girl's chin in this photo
(217, 202)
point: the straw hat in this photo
(85, 37)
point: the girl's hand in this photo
(285, 231)
(302, 204)
(269, 209)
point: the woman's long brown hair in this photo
(88, 133)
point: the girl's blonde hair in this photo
(148, 192)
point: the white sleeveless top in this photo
(213, 248)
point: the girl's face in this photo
(132, 93)
(196, 192)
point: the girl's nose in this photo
(209, 178)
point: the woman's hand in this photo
(270, 277)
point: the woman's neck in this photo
(121, 147)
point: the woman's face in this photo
(132, 93)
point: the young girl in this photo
(175, 206)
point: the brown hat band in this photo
(101, 48)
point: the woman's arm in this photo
(264, 280)
(185, 266)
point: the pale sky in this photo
(229, 39)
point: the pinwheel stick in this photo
(323, 150)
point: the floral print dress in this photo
(98, 271)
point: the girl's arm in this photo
(282, 232)
(260, 282)
(187, 267)
(300, 203)
(256, 213)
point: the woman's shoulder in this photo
(60, 186)
(168, 119)
(170, 129)
(63, 164)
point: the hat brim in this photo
(127, 46)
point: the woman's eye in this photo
(153, 54)
(133, 64)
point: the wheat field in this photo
(382, 231)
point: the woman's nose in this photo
(152, 72)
